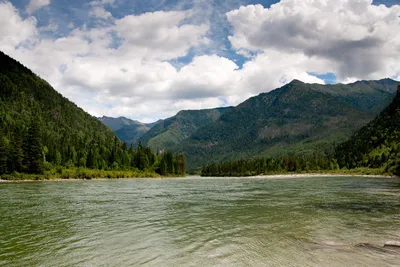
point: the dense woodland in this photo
(375, 146)
(298, 118)
(40, 130)
(257, 166)
(43, 132)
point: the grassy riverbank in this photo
(345, 172)
(79, 173)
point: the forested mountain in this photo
(40, 129)
(297, 118)
(117, 123)
(375, 148)
(129, 131)
(376, 145)
(171, 131)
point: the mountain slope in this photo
(170, 132)
(117, 123)
(376, 145)
(129, 131)
(40, 129)
(297, 118)
(66, 131)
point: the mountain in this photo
(171, 131)
(43, 133)
(117, 123)
(127, 130)
(297, 118)
(376, 145)
(65, 130)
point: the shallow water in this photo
(314, 221)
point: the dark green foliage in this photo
(3, 155)
(40, 129)
(298, 118)
(170, 164)
(33, 152)
(170, 132)
(257, 166)
(16, 160)
(376, 145)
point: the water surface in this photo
(316, 221)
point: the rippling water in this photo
(315, 221)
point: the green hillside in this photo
(117, 123)
(40, 130)
(376, 145)
(170, 132)
(127, 130)
(297, 118)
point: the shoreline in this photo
(272, 176)
(303, 175)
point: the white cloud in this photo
(51, 27)
(356, 38)
(102, 2)
(100, 12)
(34, 5)
(14, 29)
(122, 67)
(159, 34)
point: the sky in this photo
(149, 59)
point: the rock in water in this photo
(395, 244)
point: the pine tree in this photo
(3, 156)
(16, 159)
(34, 148)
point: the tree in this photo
(34, 157)
(16, 158)
(3, 156)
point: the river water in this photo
(314, 221)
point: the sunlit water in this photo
(314, 221)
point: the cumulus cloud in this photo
(100, 12)
(14, 29)
(34, 5)
(123, 66)
(357, 39)
(159, 34)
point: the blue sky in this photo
(148, 59)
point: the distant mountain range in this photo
(127, 130)
(296, 118)
(172, 131)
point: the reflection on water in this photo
(316, 221)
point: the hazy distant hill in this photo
(296, 118)
(126, 129)
(172, 131)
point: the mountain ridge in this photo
(297, 117)
(127, 130)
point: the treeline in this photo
(258, 166)
(377, 145)
(40, 130)
(26, 150)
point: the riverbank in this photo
(303, 175)
(79, 174)
(271, 176)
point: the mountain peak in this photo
(295, 81)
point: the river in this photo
(313, 221)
